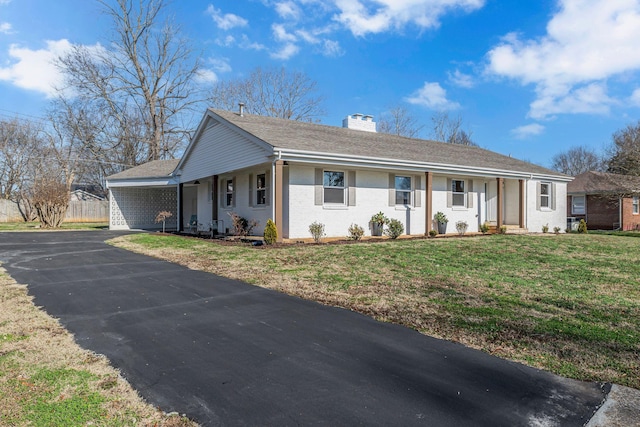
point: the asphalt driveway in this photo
(228, 353)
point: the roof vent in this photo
(359, 122)
(241, 108)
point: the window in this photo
(261, 189)
(545, 195)
(577, 205)
(333, 186)
(457, 192)
(403, 190)
(229, 193)
(635, 206)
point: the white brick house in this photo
(297, 173)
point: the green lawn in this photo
(567, 303)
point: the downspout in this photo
(620, 201)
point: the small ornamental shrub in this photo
(441, 218)
(270, 234)
(484, 227)
(503, 229)
(433, 233)
(162, 217)
(556, 230)
(317, 231)
(394, 228)
(582, 226)
(355, 232)
(545, 228)
(242, 226)
(462, 227)
(379, 218)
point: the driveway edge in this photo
(620, 409)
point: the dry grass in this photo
(47, 379)
(569, 304)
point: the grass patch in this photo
(46, 379)
(33, 226)
(569, 303)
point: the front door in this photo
(491, 192)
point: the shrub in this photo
(317, 231)
(545, 228)
(441, 218)
(50, 199)
(582, 226)
(270, 234)
(503, 229)
(462, 227)
(556, 230)
(355, 232)
(394, 228)
(379, 218)
(162, 217)
(242, 226)
(433, 233)
(484, 227)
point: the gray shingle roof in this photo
(294, 135)
(152, 169)
(602, 183)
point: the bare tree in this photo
(399, 121)
(449, 129)
(577, 160)
(50, 198)
(146, 76)
(271, 92)
(624, 152)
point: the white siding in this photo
(553, 218)
(458, 213)
(219, 150)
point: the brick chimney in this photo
(359, 122)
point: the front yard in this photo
(569, 304)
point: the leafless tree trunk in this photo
(577, 160)
(50, 199)
(271, 92)
(399, 121)
(146, 75)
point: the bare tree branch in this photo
(399, 121)
(577, 160)
(271, 92)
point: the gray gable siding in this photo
(220, 149)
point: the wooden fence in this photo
(79, 211)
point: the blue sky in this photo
(529, 78)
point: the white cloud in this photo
(35, 69)
(362, 17)
(586, 43)
(288, 10)
(245, 43)
(635, 98)
(3, 2)
(432, 96)
(206, 76)
(286, 52)
(5, 28)
(221, 65)
(332, 48)
(226, 21)
(526, 131)
(281, 34)
(460, 79)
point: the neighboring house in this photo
(84, 196)
(605, 201)
(297, 173)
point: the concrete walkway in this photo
(228, 353)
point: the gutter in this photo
(386, 163)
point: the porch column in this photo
(277, 201)
(522, 204)
(428, 214)
(499, 202)
(214, 197)
(179, 216)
